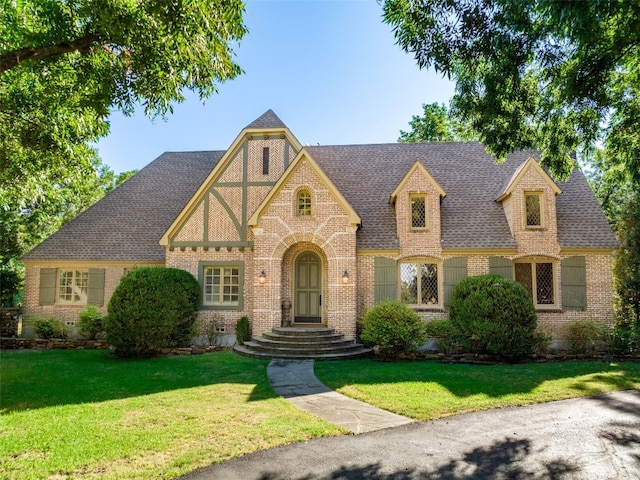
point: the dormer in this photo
(417, 201)
(529, 202)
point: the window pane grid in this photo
(534, 217)
(73, 286)
(304, 204)
(419, 289)
(538, 278)
(221, 285)
(418, 212)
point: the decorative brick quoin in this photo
(306, 236)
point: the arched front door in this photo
(308, 294)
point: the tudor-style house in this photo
(331, 230)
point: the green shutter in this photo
(48, 286)
(501, 266)
(385, 279)
(455, 269)
(95, 294)
(574, 283)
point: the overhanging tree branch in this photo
(14, 58)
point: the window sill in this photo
(549, 310)
(535, 229)
(422, 308)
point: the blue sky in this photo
(329, 69)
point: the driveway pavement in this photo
(586, 438)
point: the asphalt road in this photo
(587, 438)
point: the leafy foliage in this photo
(211, 328)
(91, 323)
(494, 315)
(534, 74)
(394, 328)
(48, 327)
(436, 125)
(152, 308)
(243, 330)
(583, 335)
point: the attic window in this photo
(304, 203)
(265, 161)
(533, 209)
(418, 211)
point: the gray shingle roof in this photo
(267, 120)
(470, 217)
(128, 222)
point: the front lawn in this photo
(82, 414)
(429, 390)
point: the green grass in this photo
(429, 390)
(82, 414)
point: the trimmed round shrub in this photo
(494, 315)
(152, 308)
(394, 328)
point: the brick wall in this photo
(114, 271)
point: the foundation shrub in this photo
(243, 330)
(492, 314)
(151, 309)
(90, 323)
(624, 339)
(394, 328)
(583, 336)
(49, 328)
(445, 334)
(212, 329)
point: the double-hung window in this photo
(419, 283)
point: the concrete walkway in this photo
(295, 381)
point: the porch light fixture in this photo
(345, 277)
(262, 278)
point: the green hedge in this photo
(151, 309)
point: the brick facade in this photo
(245, 213)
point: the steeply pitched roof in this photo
(470, 216)
(128, 222)
(267, 120)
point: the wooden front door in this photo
(308, 293)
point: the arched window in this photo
(304, 203)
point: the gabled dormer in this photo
(529, 202)
(417, 201)
(217, 214)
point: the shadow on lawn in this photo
(464, 380)
(43, 379)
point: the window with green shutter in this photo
(574, 283)
(501, 266)
(385, 279)
(96, 286)
(455, 269)
(47, 294)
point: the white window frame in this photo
(79, 286)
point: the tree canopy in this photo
(66, 64)
(436, 125)
(535, 74)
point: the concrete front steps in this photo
(302, 343)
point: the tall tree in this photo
(436, 125)
(66, 64)
(559, 76)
